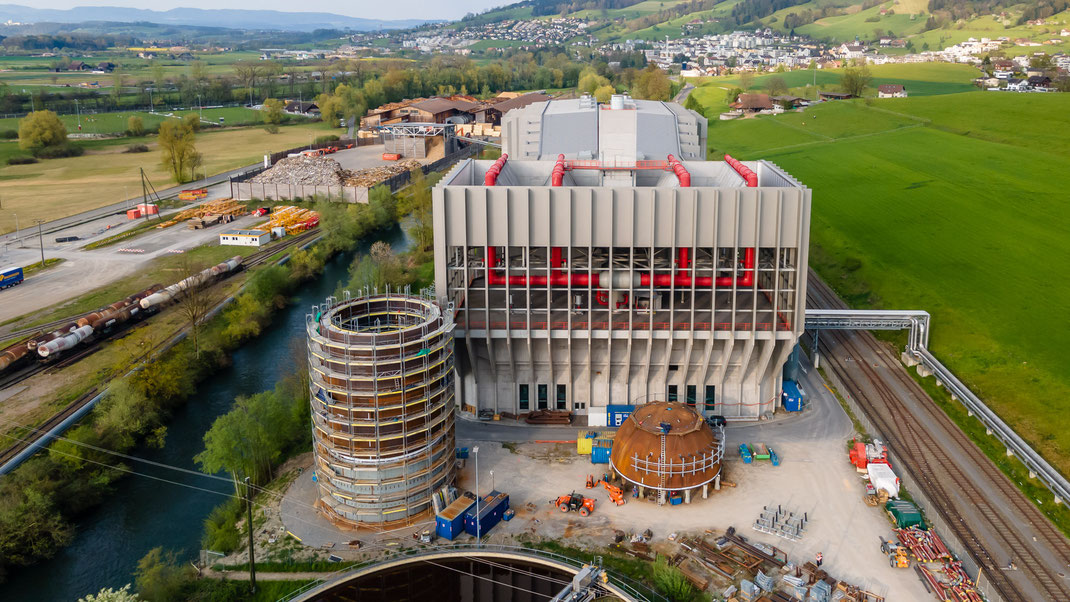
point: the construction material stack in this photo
(292, 219)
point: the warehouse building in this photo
(602, 261)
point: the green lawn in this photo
(953, 204)
(112, 123)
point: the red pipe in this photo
(562, 278)
(744, 172)
(491, 178)
(557, 176)
(681, 172)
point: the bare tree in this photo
(196, 300)
(247, 73)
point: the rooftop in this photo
(244, 232)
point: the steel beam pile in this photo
(926, 546)
(774, 520)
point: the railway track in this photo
(29, 437)
(922, 441)
(261, 256)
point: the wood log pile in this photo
(373, 175)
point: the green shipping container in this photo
(904, 514)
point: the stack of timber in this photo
(212, 211)
(293, 219)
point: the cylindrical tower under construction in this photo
(382, 396)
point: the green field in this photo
(114, 123)
(920, 79)
(953, 204)
(105, 174)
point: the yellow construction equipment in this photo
(898, 554)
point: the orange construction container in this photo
(133, 214)
(391, 156)
(148, 209)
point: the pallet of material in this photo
(219, 207)
(549, 417)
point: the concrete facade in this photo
(620, 285)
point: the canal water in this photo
(143, 513)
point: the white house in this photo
(891, 91)
(245, 238)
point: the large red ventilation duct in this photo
(557, 177)
(744, 172)
(681, 172)
(491, 178)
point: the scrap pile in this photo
(293, 219)
(549, 417)
(226, 209)
(372, 176)
(303, 170)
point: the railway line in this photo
(999, 527)
(15, 377)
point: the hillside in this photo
(929, 23)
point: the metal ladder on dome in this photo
(661, 465)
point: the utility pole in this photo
(252, 561)
(41, 239)
(200, 108)
(79, 111)
(479, 532)
(17, 235)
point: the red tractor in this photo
(575, 502)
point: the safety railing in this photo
(636, 591)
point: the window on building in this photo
(673, 395)
(561, 403)
(524, 397)
(544, 393)
(711, 396)
(579, 405)
(692, 394)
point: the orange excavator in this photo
(616, 494)
(574, 502)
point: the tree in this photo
(776, 86)
(192, 121)
(135, 125)
(179, 151)
(420, 204)
(603, 93)
(117, 83)
(856, 79)
(247, 73)
(652, 84)
(195, 301)
(108, 594)
(272, 111)
(41, 129)
(746, 80)
(590, 81)
(157, 73)
(160, 577)
(693, 104)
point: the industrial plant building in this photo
(381, 378)
(602, 261)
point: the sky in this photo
(395, 9)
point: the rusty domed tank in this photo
(666, 447)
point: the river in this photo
(143, 513)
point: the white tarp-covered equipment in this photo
(881, 476)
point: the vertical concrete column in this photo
(687, 496)
(705, 490)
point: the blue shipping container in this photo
(450, 522)
(600, 455)
(792, 398)
(491, 509)
(617, 414)
(10, 277)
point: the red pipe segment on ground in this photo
(491, 178)
(561, 278)
(557, 177)
(744, 172)
(681, 172)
